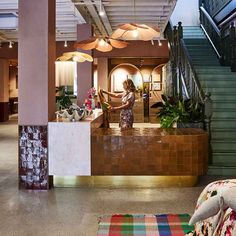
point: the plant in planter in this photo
(177, 110)
(63, 100)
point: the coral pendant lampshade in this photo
(132, 31)
(100, 44)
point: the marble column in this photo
(36, 89)
(4, 90)
(103, 73)
(85, 69)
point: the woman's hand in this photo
(112, 109)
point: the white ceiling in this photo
(69, 13)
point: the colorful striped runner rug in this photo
(144, 225)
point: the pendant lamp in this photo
(132, 31)
(100, 44)
(75, 56)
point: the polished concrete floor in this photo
(74, 211)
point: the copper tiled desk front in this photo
(149, 151)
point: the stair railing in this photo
(211, 30)
(222, 37)
(183, 74)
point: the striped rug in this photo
(144, 225)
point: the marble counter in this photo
(70, 145)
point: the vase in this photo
(93, 103)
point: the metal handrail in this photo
(185, 65)
(210, 20)
(209, 38)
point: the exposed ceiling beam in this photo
(93, 12)
(105, 19)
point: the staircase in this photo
(221, 83)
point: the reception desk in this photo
(85, 149)
(149, 151)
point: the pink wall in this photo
(102, 69)
(36, 61)
(85, 69)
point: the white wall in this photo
(186, 11)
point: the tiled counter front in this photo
(138, 111)
(149, 151)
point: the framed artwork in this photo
(156, 78)
(156, 86)
(137, 79)
(147, 78)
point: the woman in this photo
(128, 99)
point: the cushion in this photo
(229, 196)
(207, 209)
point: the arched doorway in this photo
(115, 84)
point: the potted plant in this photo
(176, 110)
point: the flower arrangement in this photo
(89, 102)
(91, 92)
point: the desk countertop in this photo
(150, 132)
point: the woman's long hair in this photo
(130, 85)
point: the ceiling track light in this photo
(10, 44)
(65, 44)
(101, 12)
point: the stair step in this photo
(219, 134)
(199, 63)
(224, 114)
(197, 45)
(195, 52)
(185, 36)
(217, 72)
(221, 170)
(220, 97)
(202, 41)
(217, 83)
(225, 146)
(204, 58)
(219, 89)
(228, 123)
(224, 104)
(219, 77)
(194, 34)
(224, 159)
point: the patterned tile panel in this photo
(33, 157)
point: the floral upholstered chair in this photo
(222, 224)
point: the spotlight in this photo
(159, 42)
(10, 44)
(101, 12)
(65, 44)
